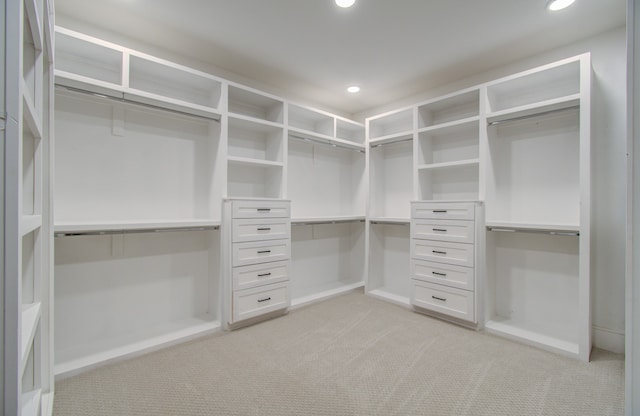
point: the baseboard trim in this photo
(608, 339)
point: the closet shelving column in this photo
(390, 142)
(538, 190)
(122, 118)
(326, 183)
(27, 372)
(256, 144)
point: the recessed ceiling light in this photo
(353, 89)
(555, 5)
(345, 3)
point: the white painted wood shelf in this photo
(69, 227)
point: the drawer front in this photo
(441, 273)
(261, 209)
(442, 230)
(448, 211)
(446, 300)
(246, 277)
(443, 252)
(245, 254)
(250, 303)
(261, 229)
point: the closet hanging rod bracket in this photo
(133, 231)
(326, 142)
(122, 99)
(533, 231)
(528, 116)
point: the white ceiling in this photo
(391, 48)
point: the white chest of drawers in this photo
(446, 247)
(257, 256)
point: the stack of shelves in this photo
(28, 381)
(255, 144)
(538, 183)
(122, 118)
(326, 182)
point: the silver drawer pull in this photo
(264, 251)
(439, 252)
(439, 274)
(264, 229)
(439, 211)
(264, 274)
(442, 230)
(264, 209)
(264, 300)
(440, 299)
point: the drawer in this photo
(448, 211)
(446, 300)
(245, 254)
(261, 209)
(257, 301)
(261, 229)
(260, 274)
(443, 230)
(443, 252)
(445, 274)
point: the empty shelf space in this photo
(30, 319)
(386, 295)
(445, 165)
(254, 105)
(156, 100)
(456, 124)
(391, 139)
(304, 134)
(459, 106)
(311, 121)
(534, 110)
(521, 332)
(71, 227)
(251, 122)
(99, 352)
(391, 124)
(253, 162)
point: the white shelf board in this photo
(446, 165)
(520, 226)
(337, 219)
(31, 403)
(80, 226)
(519, 332)
(47, 404)
(323, 292)
(248, 121)
(450, 124)
(100, 352)
(144, 97)
(535, 108)
(30, 318)
(30, 223)
(253, 162)
(312, 134)
(31, 116)
(384, 294)
(391, 138)
(68, 79)
(390, 220)
(33, 16)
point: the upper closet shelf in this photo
(534, 110)
(258, 123)
(450, 125)
(115, 227)
(310, 136)
(404, 136)
(254, 162)
(561, 229)
(446, 165)
(327, 220)
(389, 220)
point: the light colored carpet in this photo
(351, 355)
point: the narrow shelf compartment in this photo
(449, 181)
(391, 125)
(394, 138)
(160, 101)
(70, 227)
(389, 254)
(314, 121)
(31, 405)
(547, 83)
(450, 143)
(350, 131)
(537, 109)
(255, 140)
(88, 59)
(326, 260)
(391, 180)
(255, 105)
(449, 109)
(30, 320)
(518, 331)
(254, 180)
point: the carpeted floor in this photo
(351, 355)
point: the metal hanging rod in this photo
(390, 223)
(544, 113)
(521, 230)
(408, 139)
(136, 231)
(127, 101)
(325, 222)
(326, 142)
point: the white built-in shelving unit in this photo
(27, 79)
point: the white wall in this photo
(609, 168)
